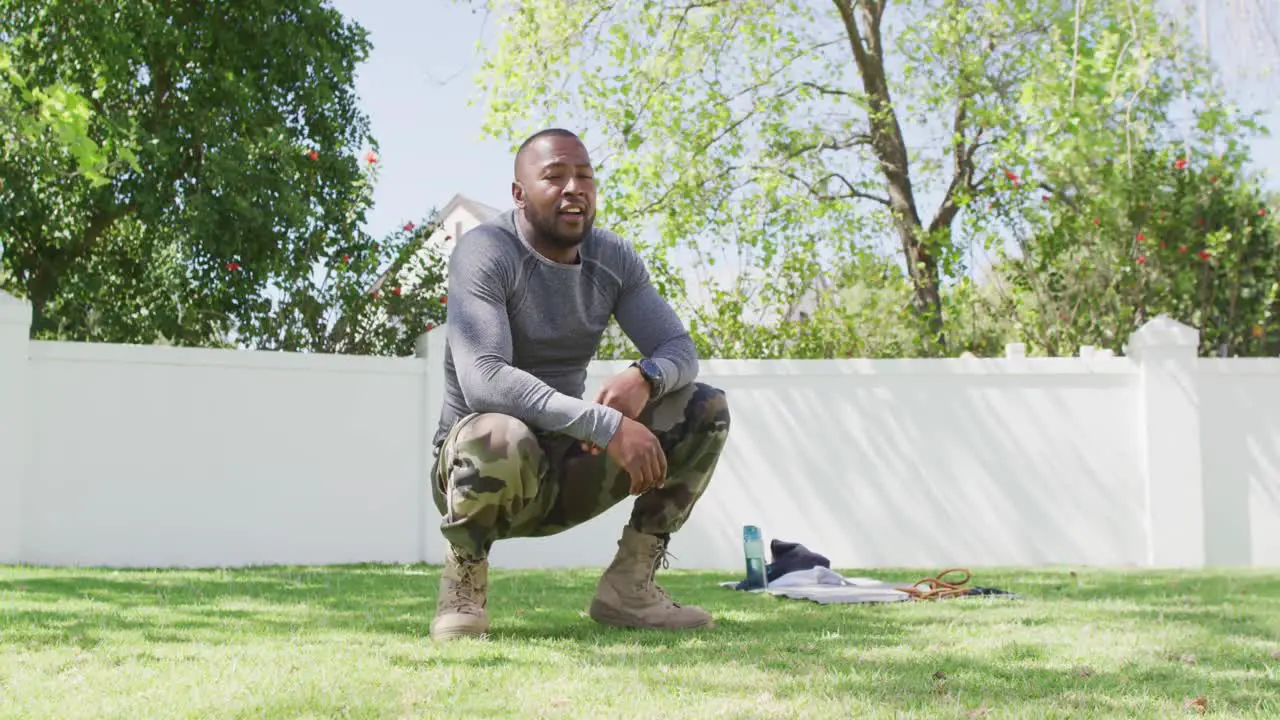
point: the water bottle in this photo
(753, 551)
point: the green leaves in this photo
(755, 148)
(1189, 239)
(59, 114)
(200, 175)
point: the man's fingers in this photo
(659, 463)
(649, 474)
(657, 469)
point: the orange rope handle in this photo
(938, 588)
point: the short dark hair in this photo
(545, 132)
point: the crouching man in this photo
(519, 451)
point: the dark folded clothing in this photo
(790, 557)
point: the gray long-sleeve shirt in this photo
(521, 329)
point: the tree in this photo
(376, 300)
(1193, 241)
(57, 115)
(731, 124)
(247, 183)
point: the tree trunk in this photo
(891, 151)
(44, 283)
(925, 295)
(40, 290)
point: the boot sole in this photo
(454, 631)
(457, 633)
(606, 615)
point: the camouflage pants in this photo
(495, 478)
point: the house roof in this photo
(475, 207)
(479, 210)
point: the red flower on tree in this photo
(1142, 259)
(1141, 237)
(313, 155)
(1180, 163)
(233, 266)
(1204, 255)
(444, 299)
(408, 227)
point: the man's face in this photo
(555, 186)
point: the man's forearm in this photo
(490, 384)
(658, 333)
(678, 359)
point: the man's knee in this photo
(491, 457)
(696, 408)
(494, 437)
(708, 409)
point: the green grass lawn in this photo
(351, 642)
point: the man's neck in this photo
(548, 250)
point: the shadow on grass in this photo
(80, 606)
(960, 651)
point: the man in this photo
(520, 452)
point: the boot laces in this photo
(464, 591)
(660, 557)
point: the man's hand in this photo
(637, 451)
(627, 392)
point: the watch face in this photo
(650, 370)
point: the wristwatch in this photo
(652, 373)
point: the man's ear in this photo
(517, 193)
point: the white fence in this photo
(155, 456)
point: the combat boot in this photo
(628, 596)
(460, 610)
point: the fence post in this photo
(1169, 436)
(15, 327)
(430, 349)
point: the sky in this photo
(415, 87)
(417, 84)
